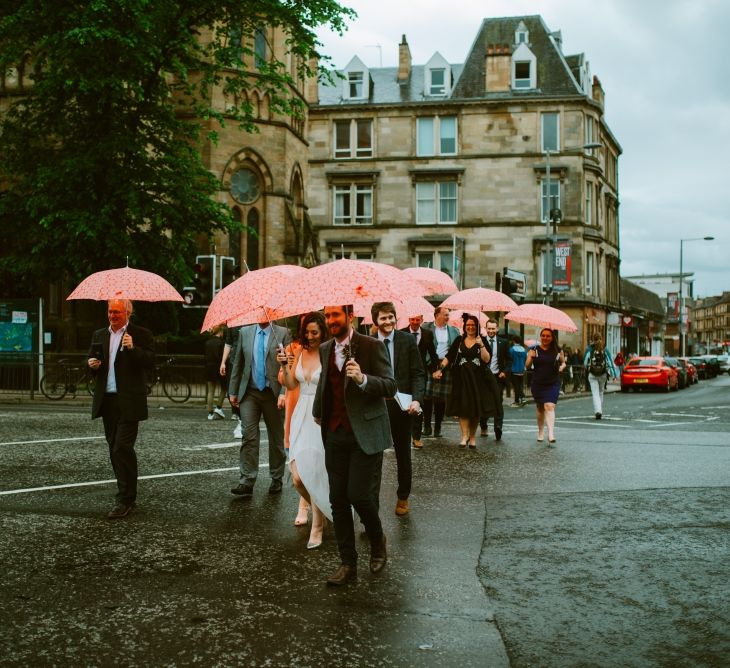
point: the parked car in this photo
(691, 369)
(713, 365)
(682, 377)
(724, 360)
(649, 372)
(704, 369)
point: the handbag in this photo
(556, 363)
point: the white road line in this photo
(673, 424)
(594, 422)
(55, 440)
(215, 446)
(107, 482)
(689, 415)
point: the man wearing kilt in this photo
(438, 389)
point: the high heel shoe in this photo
(540, 437)
(301, 519)
(317, 542)
(462, 444)
(472, 443)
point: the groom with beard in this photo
(350, 406)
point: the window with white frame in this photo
(550, 131)
(522, 74)
(353, 204)
(353, 138)
(590, 272)
(553, 202)
(589, 134)
(436, 202)
(436, 135)
(521, 34)
(345, 253)
(438, 81)
(356, 84)
(589, 203)
(443, 260)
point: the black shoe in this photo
(243, 490)
(342, 575)
(598, 416)
(497, 434)
(120, 510)
(437, 432)
(378, 556)
(426, 431)
(275, 487)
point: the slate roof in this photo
(555, 72)
(638, 300)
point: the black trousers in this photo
(121, 436)
(351, 473)
(499, 417)
(400, 429)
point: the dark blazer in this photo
(502, 353)
(243, 353)
(130, 367)
(410, 376)
(366, 407)
(427, 348)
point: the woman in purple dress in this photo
(546, 361)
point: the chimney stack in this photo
(404, 62)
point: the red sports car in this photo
(643, 372)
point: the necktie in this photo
(415, 336)
(387, 350)
(261, 361)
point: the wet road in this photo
(610, 549)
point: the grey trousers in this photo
(254, 405)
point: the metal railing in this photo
(176, 377)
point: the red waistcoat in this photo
(336, 380)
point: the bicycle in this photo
(174, 384)
(64, 378)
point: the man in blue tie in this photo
(254, 386)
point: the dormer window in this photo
(522, 36)
(524, 68)
(357, 81)
(437, 76)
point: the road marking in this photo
(678, 415)
(55, 440)
(91, 483)
(218, 446)
(673, 424)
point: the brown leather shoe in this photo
(417, 443)
(342, 575)
(378, 556)
(401, 507)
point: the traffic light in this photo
(228, 272)
(205, 279)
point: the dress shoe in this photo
(497, 434)
(120, 510)
(484, 433)
(275, 487)
(598, 416)
(243, 490)
(426, 431)
(401, 507)
(417, 443)
(342, 576)
(437, 433)
(378, 555)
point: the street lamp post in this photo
(554, 216)
(682, 333)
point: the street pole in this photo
(551, 233)
(682, 333)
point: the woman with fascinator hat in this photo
(473, 390)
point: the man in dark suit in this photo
(427, 350)
(119, 357)
(350, 406)
(499, 364)
(254, 386)
(410, 379)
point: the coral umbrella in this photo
(479, 299)
(541, 315)
(247, 299)
(343, 282)
(126, 283)
(436, 282)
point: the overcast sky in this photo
(663, 66)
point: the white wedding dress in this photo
(305, 442)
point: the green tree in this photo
(100, 158)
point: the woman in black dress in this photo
(473, 389)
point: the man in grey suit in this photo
(350, 407)
(254, 386)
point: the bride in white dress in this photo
(306, 451)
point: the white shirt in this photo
(494, 362)
(441, 334)
(115, 340)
